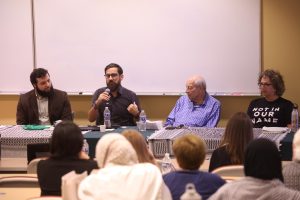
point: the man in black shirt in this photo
(122, 103)
(272, 110)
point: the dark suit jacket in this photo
(50, 171)
(59, 108)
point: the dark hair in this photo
(66, 140)
(276, 80)
(114, 65)
(37, 73)
(189, 151)
(238, 134)
(262, 160)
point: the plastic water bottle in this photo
(166, 165)
(295, 119)
(106, 115)
(85, 147)
(190, 193)
(143, 119)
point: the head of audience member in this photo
(115, 149)
(196, 89)
(114, 76)
(271, 84)
(237, 135)
(296, 146)
(262, 160)
(190, 151)
(40, 80)
(139, 144)
(66, 141)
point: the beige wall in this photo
(280, 51)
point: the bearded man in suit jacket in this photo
(43, 104)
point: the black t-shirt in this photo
(270, 113)
(50, 171)
(219, 158)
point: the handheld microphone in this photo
(107, 90)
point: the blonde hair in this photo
(139, 144)
(190, 151)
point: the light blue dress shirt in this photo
(189, 114)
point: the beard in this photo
(45, 93)
(113, 86)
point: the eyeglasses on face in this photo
(113, 75)
(264, 84)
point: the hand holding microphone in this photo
(103, 97)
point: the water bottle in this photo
(143, 119)
(106, 115)
(166, 165)
(85, 147)
(295, 119)
(190, 193)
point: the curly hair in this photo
(276, 80)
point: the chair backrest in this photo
(46, 198)
(230, 171)
(159, 164)
(32, 166)
(19, 181)
(37, 150)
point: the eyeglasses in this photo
(114, 75)
(264, 84)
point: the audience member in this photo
(189, 151)
(120, 176)
(263, 179)
(237, 135)
(291, 171)
(66, 155)
(43, 104)
(271, 110)
(122, 103)
(139, 144)
(197, 108)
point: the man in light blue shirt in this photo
(197, 108)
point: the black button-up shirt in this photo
(118, 107)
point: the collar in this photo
(39, 97)
(194, 105)
(120, 90)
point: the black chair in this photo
(37, 150)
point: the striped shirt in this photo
(188, 113)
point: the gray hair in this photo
(199, 81)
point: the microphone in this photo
(107, 90)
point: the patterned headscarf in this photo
(115, 149)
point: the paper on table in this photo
(275, 129)
(154, 125)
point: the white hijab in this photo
(115, 149)
(120, 176)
